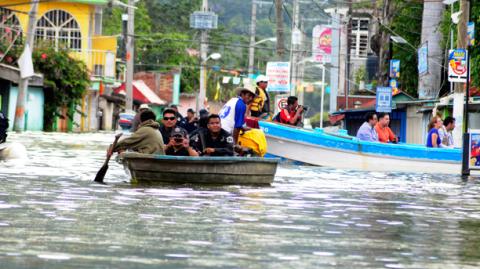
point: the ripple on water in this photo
(311, 217)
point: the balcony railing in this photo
(100, 63)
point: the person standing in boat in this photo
(169, 122)
(179, 144)
(260, 106)
(445, 132)
(292, 114)
(367, 132)
(385, 134)
(213, 141)
(433, 138)
(232, 114)
(147, 139)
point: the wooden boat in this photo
(147, 168)
(340, 150)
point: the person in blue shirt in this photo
(433, 138)
(367, 132)
(233, 112)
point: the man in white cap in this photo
(136, 120)
(260, 106)
(233, 112)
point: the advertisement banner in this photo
(474, 153)
(278, 74)
(394, 85)
(384, 100)
(322, 43)
(457, 65)
(394, 68)
(423, 59)
(471, 33)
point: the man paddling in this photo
(147, 139)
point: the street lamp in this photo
(251, 52)
(203, 77)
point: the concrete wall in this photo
(33, 110)
(416, 127)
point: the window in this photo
(359, 37)
(10, 30)
(59, 28)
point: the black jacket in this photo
(223, 145)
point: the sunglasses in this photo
(169, 118)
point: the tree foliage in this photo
(65, 80)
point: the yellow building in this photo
(77, 26)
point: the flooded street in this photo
(53, 216)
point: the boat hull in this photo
(145, 168)
(317, 148)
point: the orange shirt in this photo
(385, 135)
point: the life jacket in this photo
(3, 127)
(259, 101)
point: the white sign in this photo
(322, 44)
(457, 65)
(278, 74)
(280, 102)
(25, 63)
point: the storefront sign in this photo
(322, 44)
(278, 74)
(457, 65)
(384, 99)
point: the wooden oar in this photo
(101, 173)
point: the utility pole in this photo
(130, 56)
(466, 7)
(459, 89)
(280, 30)
(251, 49)
(19, 121)
(203, 58)
(294, 47)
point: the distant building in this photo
(76, 25)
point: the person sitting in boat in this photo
(136, 120)
(179, 144)
(433, 138)
(260, 106)
(445, 132)
(191, 122)
(367, 132)
(292, 114)
(232, 114)
(385, 134)
(169, 122)
(147, 139)
(213, 141)
(3, 128)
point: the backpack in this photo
(3, 127)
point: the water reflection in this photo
(52, 216)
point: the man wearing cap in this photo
(260, 106)
(146, 139)
(191, 122)
(233, 112)
(179, 144)
(136, 120)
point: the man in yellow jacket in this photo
(260, 106)
(147, 139)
